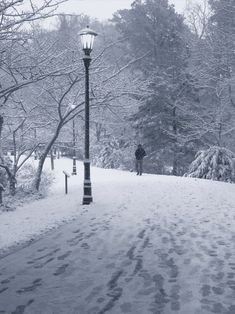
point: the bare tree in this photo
(19, 67)
(197, 17)
(24, 58)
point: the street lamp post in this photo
(73, 106)
(35, 139)
(74, 151)
(87, 39)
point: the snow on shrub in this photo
(114, 154)
(215, 163)
(25, 191)
(26, 176)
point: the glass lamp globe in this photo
(87, 39)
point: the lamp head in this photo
(87, 39)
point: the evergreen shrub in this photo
(215, 163)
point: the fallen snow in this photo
(176, 233)
(39, 216)
(180, 197)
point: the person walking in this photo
(139, 155)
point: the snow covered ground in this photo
(168, 243)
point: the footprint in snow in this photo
(35, 284)
(60, 270)
(62, 257)
(21, 308)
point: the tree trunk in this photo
(12, 185)
(175, 163)
(11, 179)
(11, 176)
(1, 196)
(220, 135)
(37, 180)
(1, 126)
(14, 151)
(175, 155)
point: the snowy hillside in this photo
(168, 237)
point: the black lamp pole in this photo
(87, 38)
(74, 151)
(87, 195)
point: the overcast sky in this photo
(103, 9)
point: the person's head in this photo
(139, 146)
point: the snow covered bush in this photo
(26, 176)
(215, 163)
(25, 191)
(115, 154)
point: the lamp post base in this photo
(87, 192)
(87, 196)
(74, 173)
(87, 201)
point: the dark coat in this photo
(140, 153)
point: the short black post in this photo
(66, 176)
(66, 185)
(52, 160)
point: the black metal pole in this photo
(74, 151)
(66, 184)
(52, 159)
(87, 192)
(35, 138)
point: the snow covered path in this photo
(147, 245)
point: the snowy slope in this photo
(211, 203)
(180, 230)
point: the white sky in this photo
(103, 9)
